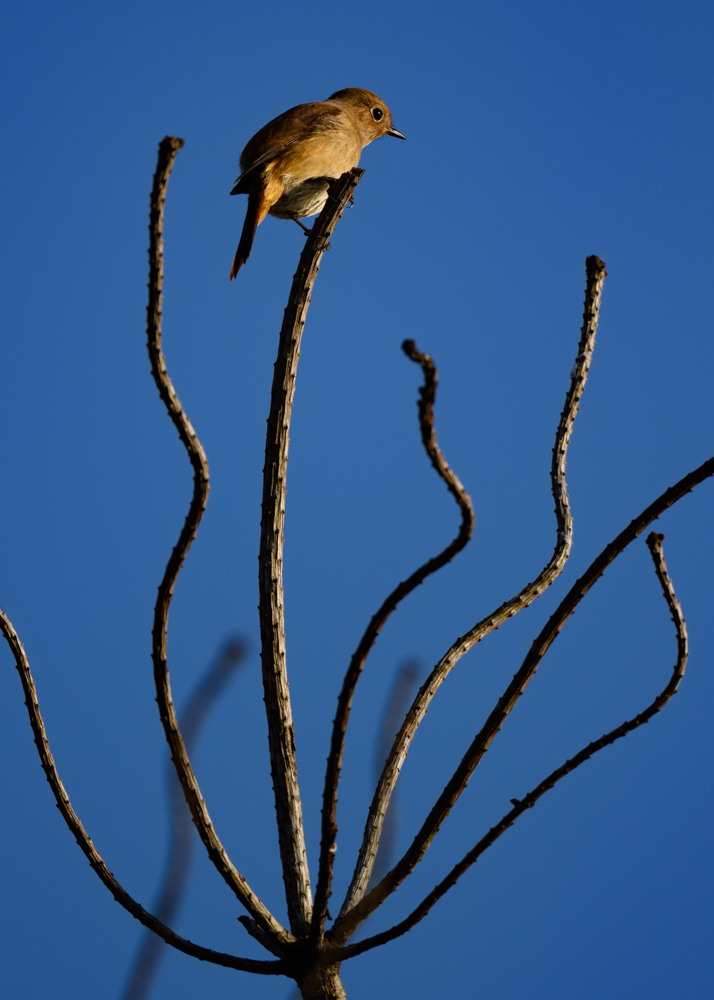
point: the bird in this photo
(287, 166)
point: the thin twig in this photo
(281, 735)
(350, 917)
(654, 541)
(427, 396)
(168, 149)
(89, 850)
(204, 698)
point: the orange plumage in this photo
(287, 166)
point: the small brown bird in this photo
(287, 166)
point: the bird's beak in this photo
(392, 131)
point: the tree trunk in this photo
(323, 983)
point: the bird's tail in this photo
(253, 217)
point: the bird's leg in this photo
(304, 228)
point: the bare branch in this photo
(427, 396)
(654, 541)
(348, 920)
(281, 734)
(82, 837)
(522, 678)
(168, 149)
(204, 697)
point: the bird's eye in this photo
(377, 114)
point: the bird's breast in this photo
(306, 168)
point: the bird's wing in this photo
(284, 131)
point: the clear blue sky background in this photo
(538, 133)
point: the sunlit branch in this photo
(348, 920)
(168, 149)
(524, 675)
(654, 541)
(427, 396)
(281, 735)
(82, 837)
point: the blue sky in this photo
(538, 133)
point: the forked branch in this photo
(518, 685)
(305, 952)
(281, 735)
(654, 541)
(275, 932)
(427, 397)
(87, 847)
(352, 913)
